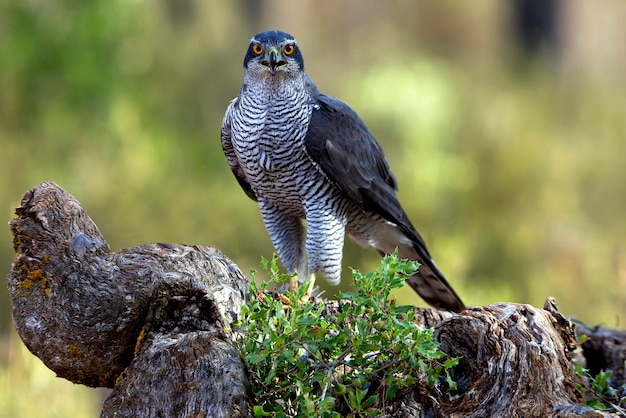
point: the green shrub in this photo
(304, 359)
(597, 390)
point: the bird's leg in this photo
(294, 284)
(301, 276)
(287, 234)
(324, 243)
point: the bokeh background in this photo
(504, 122)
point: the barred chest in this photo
(268, 137)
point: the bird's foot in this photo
(294, 285)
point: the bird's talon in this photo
(284, 299)
(293, 283)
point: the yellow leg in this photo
(293, 286)
(293, 283)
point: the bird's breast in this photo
(268, 138)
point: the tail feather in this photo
(429, 282)
(433, 287)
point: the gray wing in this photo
(231, 157)
(341, 144)
(348, 154)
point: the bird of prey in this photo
(303, 155)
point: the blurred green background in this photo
(508, 143)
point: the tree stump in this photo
(154, 323)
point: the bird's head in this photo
(273, 54)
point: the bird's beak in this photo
(273, 60)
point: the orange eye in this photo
(289, 49)
(257, 49)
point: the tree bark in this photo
(151, 321)
(154, 322)
(605, 349)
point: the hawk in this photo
(303, 155)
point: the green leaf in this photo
(369, 401)
(260, 412)
(451, 383)
(451, 362)
(402, 309)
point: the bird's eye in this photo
(257, 49)
(289, 49)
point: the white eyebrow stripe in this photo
(291, 40)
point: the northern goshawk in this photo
(303, 155)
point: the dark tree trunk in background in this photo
(536, 26)
(154, 323)
(605, 349)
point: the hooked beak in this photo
(273, 60)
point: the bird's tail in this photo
(429, 282)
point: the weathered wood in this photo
(154, 323)
(89, 314)
(605, 349)
(515, 362)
